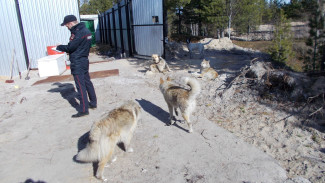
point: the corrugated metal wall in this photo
(148, 35)
(124, 27)
(10, 38)
(41, 21)
(143, 35)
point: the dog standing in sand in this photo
(117, 126)
(179, 97)
(159, 65)
(195, 46)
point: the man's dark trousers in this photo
(84, 86)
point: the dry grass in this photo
(256, 45)
(294, 63)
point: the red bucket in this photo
(53, 52)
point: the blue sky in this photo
(286, 1)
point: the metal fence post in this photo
(114, 28)
(128, 29)
(109, 29)
(121, 28)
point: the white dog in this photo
(195, 46)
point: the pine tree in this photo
(214, 13)
(281, 49)
(315, 42)
(175, 15)
(193, 17)
(249, 15)
(95, 6)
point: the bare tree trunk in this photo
(322, 64)
(229, 18)
(179, 21)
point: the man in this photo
(78, 50)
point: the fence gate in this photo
(148, 26)
(135, 27)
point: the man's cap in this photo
(68, 18)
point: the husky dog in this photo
(178, 97)
(117, 126)
(195, 46)
(159, 65)
(206, 71)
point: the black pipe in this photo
(109, 29)
(100, 28)
(121, 28)
(22, 33)
(164, 28)
(114, 28)
(132, 27)
(105, 28)
(128, 28)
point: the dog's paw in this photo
(195, 74)
(190, 130)
(130, 150)
(110, 162)
(102, 178)
(114, 159)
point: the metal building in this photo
(93, 18)
(135, 27)
(28, 27)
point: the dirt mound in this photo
(179, 50)
(278, 111)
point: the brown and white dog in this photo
(160, 64)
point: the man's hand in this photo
(54, 48)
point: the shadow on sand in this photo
(158, 112)
(82, 143)
(32, 181)
(67, 92)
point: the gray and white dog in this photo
(195, 46)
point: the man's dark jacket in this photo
(78, 49)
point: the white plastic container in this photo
(52, 65)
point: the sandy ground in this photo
(38, 137)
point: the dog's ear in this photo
(161, 81)
(168, 78)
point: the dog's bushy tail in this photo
(195, 86)
(97, 147)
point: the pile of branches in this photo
(302, 93)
